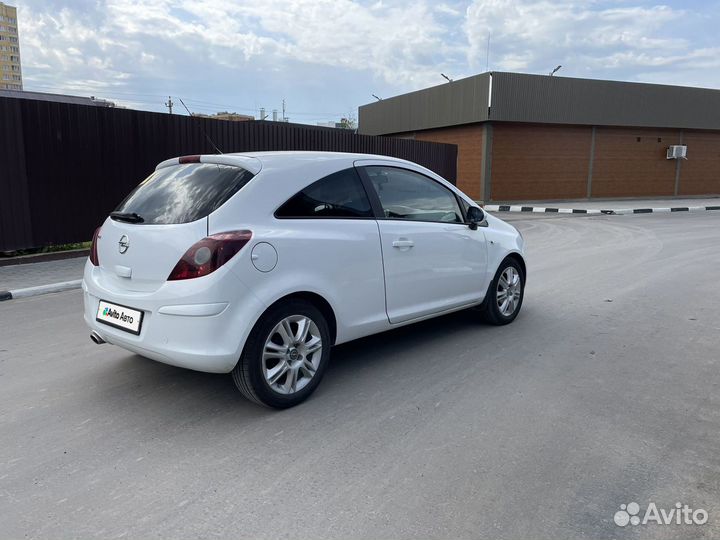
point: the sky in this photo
(327, 57)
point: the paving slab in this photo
(22, 276)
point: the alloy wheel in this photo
(292, 354)
(508, 292)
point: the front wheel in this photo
(505, 293)
(285, 355)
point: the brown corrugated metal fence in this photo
(64, 167)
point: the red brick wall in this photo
(469, 140)
(626, 167)
(700, 173)
(546, 162)
(539, 162)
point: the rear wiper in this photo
(130, 217)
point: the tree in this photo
(349, 122)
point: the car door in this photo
(433, 261)
(327, 239)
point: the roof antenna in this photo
(201, 127)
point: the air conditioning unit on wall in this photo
(677, 151)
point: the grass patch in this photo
(47, 249)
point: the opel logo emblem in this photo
(123, 244)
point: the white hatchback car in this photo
(257, 264)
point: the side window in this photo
(409, 195)
(339, 195)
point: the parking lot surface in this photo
(604, 391)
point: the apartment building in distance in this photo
(10, 71)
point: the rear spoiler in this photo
(254, 165)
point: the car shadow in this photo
(406, 338)
(135, 384)
(171, 396)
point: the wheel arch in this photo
(316, 300)
(519, 259)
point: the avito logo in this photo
(682, 514)
(115, 314)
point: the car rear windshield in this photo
(183, 193)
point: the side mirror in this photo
(476, 217)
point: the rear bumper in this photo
(199, 324)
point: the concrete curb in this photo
(40, 289)
(592, 211)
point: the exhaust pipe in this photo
(96, 339)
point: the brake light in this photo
(94, 249)
(209, 254)
(189, 159)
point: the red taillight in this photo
(93, 248)
(209, 254)
(189, 159)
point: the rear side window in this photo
(184, 193)
(339, 195)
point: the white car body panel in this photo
(343, 265)
(151, 256)
(203, 323)
(431, 267)
(210, 343)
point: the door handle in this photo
(403, 243)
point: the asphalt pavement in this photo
(604, 391)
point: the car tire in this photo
(277, 368)
(497, 308)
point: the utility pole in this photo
(283, 116)
(169, 103)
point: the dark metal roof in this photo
(526, 98)
(458, 102)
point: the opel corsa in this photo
(257, 264)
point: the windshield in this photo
(183, 193)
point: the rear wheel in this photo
(505, 293)
(285, 355)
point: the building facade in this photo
(10, 70)
(531, 137)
